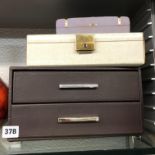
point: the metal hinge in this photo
(119, 21)
(66, 23)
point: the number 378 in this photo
(10, 131)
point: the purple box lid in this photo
(93, 21)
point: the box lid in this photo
(93, 21)
(71, 38)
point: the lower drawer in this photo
(52, 120)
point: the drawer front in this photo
(75, 86)
(50, 120)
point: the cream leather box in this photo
(119, 49)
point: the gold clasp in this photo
(85, 43)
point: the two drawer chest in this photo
(75, 101)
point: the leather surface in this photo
(43, 86)
(110, 50)
(41, 120)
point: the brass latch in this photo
(85, 43)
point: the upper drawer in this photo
(75, 86)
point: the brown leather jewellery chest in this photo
(75, 101)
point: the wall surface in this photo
(13, 48)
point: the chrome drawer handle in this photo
(78, 86)
(90, 119)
